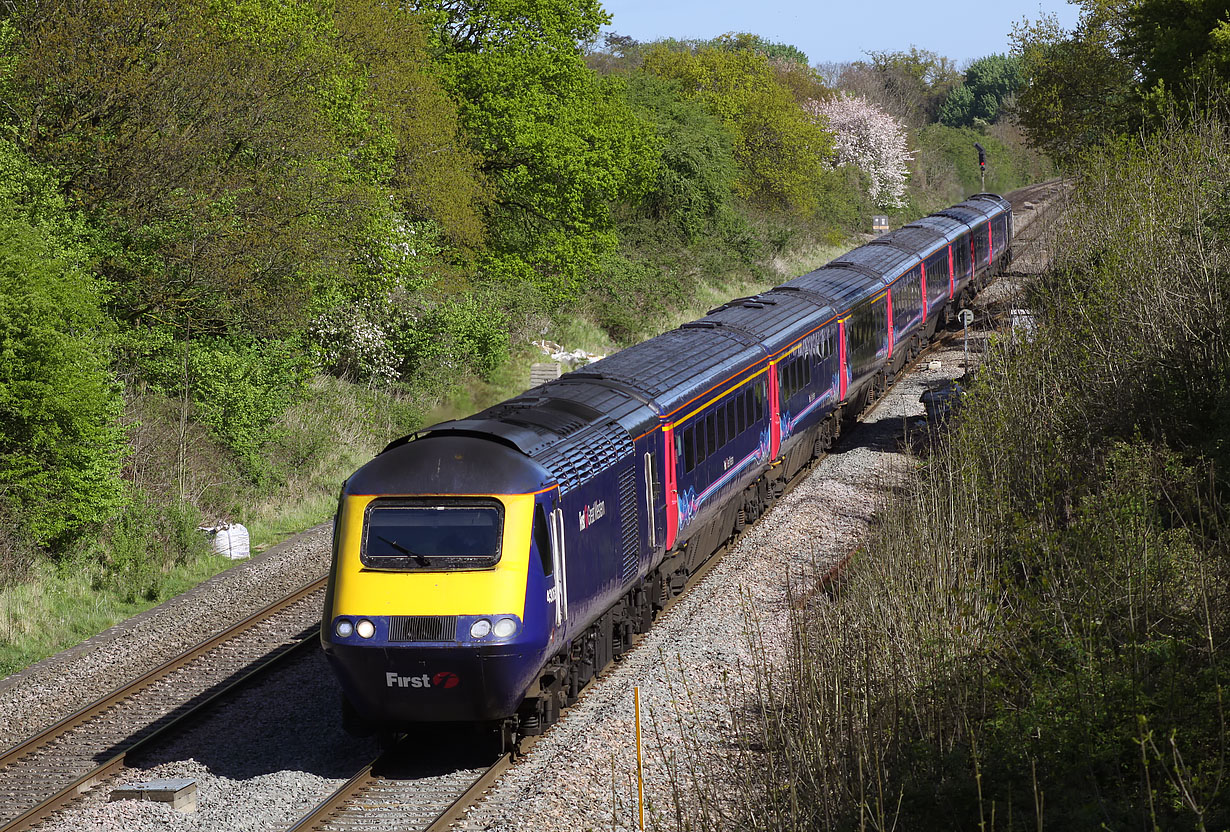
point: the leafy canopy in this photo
(1125, 67)
(559, 143)
(1179, 46)
(1078, 91)
(979, 99)
(61, 445)
(236, 155)
(779, 150)
(697, 170)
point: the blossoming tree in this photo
(869, 139)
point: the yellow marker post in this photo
(640, 773)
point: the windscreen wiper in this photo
(422, 559)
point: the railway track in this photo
(50, 769)
(404, 789)
(377, 798)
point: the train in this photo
(484, 570)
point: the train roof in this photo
(450, 463)
(775, 318)
(677, 366)
(992, 203)
(887, 262)
(978, 208)
(841, 284)
(919, 240)
(947, 227)
(574, 431)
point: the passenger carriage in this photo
(485, 569)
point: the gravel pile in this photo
(56, 687)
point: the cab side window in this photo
(542, 539)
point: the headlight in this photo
(480, 628)
(365, 628)
(343, 628)
(505, 627)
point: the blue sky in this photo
(842, 31)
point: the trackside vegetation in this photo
(1033, 636)
(245, 243)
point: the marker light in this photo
(343, 628)
(505, 627)
(480, 628)
(365, 628)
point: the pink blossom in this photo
(869, 139)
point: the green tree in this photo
(559, 143)
(1078, 91)
(979, 99)
(773, 51)
(780, 152)
(696, 176)
(242, 157)
(61, 446)
(1181, 47)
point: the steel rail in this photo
(331, 806)
(82, 783)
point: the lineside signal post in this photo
(966, 317)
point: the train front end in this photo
(436, 607)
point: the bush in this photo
(61, 446)
(695, 180)
(1034, 634)
(238, 388)
(778, 149)
(144, 543)
(452, 337)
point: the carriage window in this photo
(731, 423)
(689, 449)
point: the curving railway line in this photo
(399, 790)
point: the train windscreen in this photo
(432, 537)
